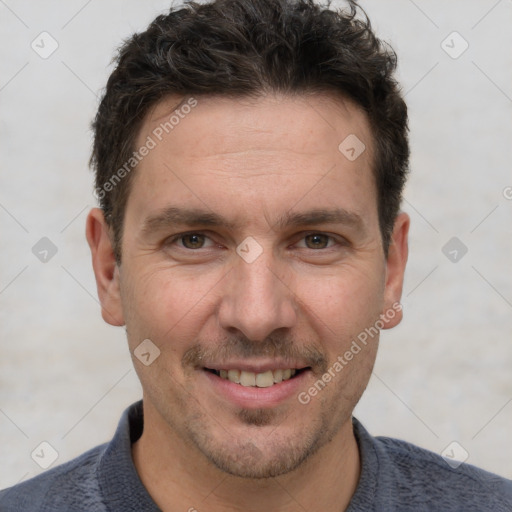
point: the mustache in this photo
(273, 346)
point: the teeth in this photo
(278, 376)
(260, 380)
(265, 380)
(247, 378)
(233, 376)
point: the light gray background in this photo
(443, 375)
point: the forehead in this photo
(274, 150)
(257, 123)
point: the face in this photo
(252, 258)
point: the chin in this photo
(259, 450)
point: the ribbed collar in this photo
(119, 481)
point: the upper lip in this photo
(256, 366)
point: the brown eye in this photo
(193, 241)
(317, 241)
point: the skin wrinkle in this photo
(291, 301)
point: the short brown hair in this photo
(242, 48)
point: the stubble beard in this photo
(244, 459)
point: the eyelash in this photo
(180, 236)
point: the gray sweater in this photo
(395, 476)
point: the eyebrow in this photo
(197, 217)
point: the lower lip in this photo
(254, 397)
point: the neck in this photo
(179, 477)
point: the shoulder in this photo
(427, 478)
(413, 477)
(68, 487)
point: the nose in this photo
(256, 299)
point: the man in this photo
(250, 157)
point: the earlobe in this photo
(105, 267)
(395, 268)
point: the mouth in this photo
(262, 379)
(253, 384)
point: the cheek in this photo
(341, 305)
(164, 300)
(343, 311)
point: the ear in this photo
(105, 267)
(395, 268)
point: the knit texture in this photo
(395, 476)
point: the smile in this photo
(261, 379)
